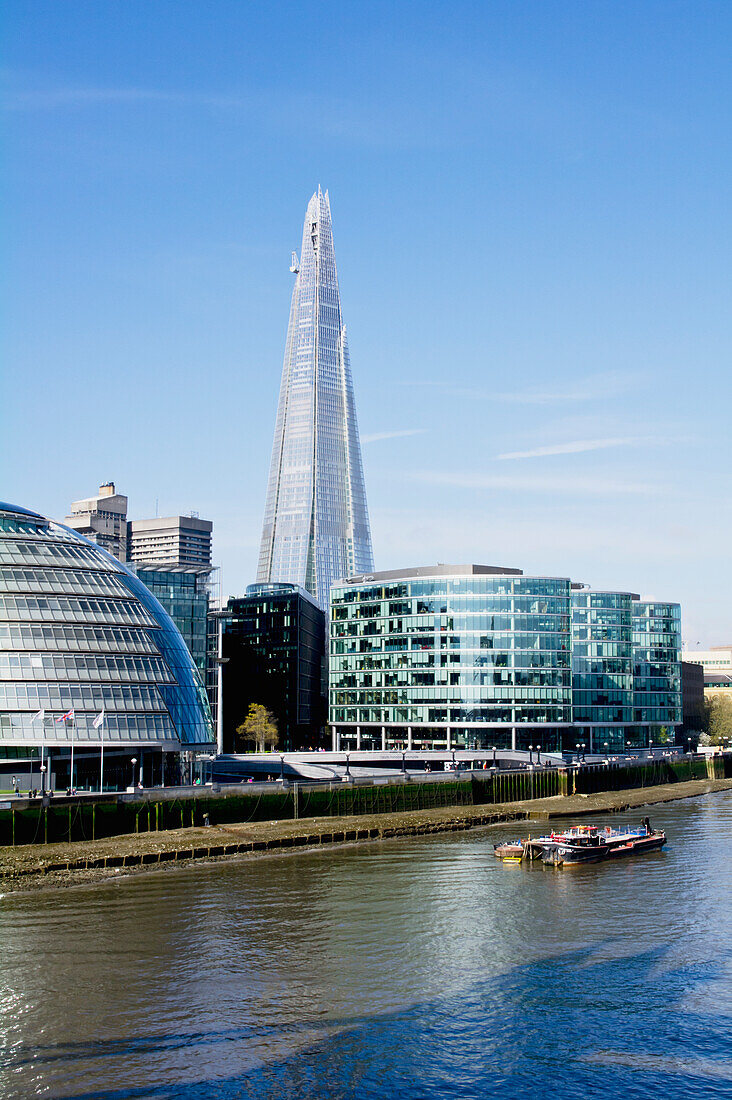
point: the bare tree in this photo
(259, 728)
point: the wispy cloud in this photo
(536, 484)
(593, 388)
(375, 437)
(573, 447)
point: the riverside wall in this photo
(71, 820)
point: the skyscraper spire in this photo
(316, 524)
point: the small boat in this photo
(511, 851)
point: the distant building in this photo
(472, 656)
(102, 519)
(173, 541)
(274, 646)
(692, 697)
(717, 665)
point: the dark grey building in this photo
(274, 646)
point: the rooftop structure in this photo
(102, 519)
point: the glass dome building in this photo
(81, 635)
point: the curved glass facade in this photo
(460, 660)
(78, 631)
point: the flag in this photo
(99, 719)
(68, 717)
(40, 714)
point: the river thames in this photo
(418, 967)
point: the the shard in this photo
(316, 524)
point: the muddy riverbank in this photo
(39, 866)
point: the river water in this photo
(411, 968)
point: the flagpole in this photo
(71, 783)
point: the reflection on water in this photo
(412, 968)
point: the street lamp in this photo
(577, 748)
(494, 756)
(538, 755)
(348, 766)
(43, 780)
(688, 742)
(404, 770)
(531, 749)
(627, 747)
(134, 765)
(583, 752)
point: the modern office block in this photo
(475, 656)
(170, 541)
(602, 669)
(274, 648)
(692, 698)
(463, 656)
(656, 669)
(716, 665)
(102, 519)
(316, 525)
(81, 635)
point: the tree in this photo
(718, 715)
(259, 728)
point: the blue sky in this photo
(532, 225)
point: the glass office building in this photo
(602, 669)
(656, 669)
(450, 657)
(474, 656)
(79, 632)
(316, 524)
(274, 646)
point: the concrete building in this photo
(717, 665)
(102, 519)
(170, 541)
(474, 656)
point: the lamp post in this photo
(531, 758)
(688, 743)
(134, 765)
(538, 755)
(348, 766)
(494, 756)
(577, 749)
(404, 770)
(607, 747)
(583, 752)
(282, 767)
(453, 760)
(43, 780)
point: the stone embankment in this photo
(40, 866)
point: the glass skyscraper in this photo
(316, 525)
